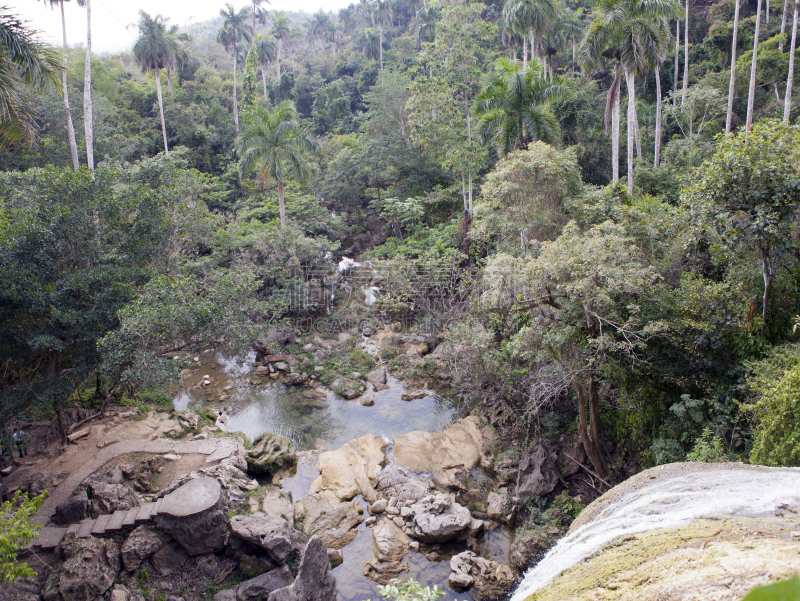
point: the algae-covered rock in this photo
(270, 453)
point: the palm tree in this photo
(513, 107)
(654, 45)
(530, 18)
(558, 36)
(281, 31)
(274, 145)
(625, 31)
(383, 15)
(266, 52)
(751, 94)
(369, 42)
(155, 50)
(88, 110)
(235, 28)
(24, 63)
(732, 83)
(318, 25)
(73, 145)
(259, 14)
(426, 25)
(787, 106)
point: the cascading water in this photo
(664, 498)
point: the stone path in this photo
(161, 445)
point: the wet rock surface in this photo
(329, 519)
(270, 454)
(353, 469)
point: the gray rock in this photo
(108, 498)
(225, 595)
(314, 580)
(119, 593)
(332, 521)
(73, 510)
(23, 590)
(398, 482)
(497, 506)
(208, 565)
(264, 584)
(192, 514)
(538, 473)
(278, 503)
(335, 557)
(377, 376)
(89, 569)
(270, 453)
(390, 543)
(170, 559)
(379, 506)
(439, 519)
(272, 534)
(141, 544)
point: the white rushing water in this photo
(670, 499)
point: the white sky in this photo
(110, 17)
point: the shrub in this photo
(776, 422)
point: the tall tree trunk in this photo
(235, 103)
(264, 81)
(161, 110)
(524, 52)
(73, 145)
(657, 151)
(685, 56)
(677, 63)
(638, 134)
(751, 94)
(766, 15)
(787, 107)
(767, 275)
(615, 131)
(380, 29)
(783, 24)
(464, 191)
(278, 60)
(88, 112)
(631, 127)
(589, 426)
(732, 84)
(281, 205)
(469, 141)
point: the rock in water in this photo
(353, 469)
(272, 534)
(270, 453)
(377, 377)
(89, 569)
(192, 514)
(314, 580)
(333, 521)
(141, 544)
(259, 587)
(438, 519)
(389, 542)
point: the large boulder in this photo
(89, 568)
(73, 510)
(23, 590)
(467, 569)
(141, 544)
(353, 469)
(438, 519)
(314, 580)
(262, 585)
(108, 498)
(270, 453)
(538, 476)
(169, 559)
(446, 455)
(331, 520)
(278, 503)
(193, 515)
(377, 377)
(389, 542)
(396, 481)
(272, 534)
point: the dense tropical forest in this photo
(588, 209)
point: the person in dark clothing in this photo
(21, 440)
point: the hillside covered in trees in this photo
(589, 210)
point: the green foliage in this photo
(16, 529)
(776, 427)
(786, 590)
(708, 448)
(408, 590)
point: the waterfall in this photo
(666, 497)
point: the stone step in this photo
(101, 523)
(157, 507)
(48, 538)
(115, 523)
(130, 517)
(145, 511)
(73, 529)
(86, 528)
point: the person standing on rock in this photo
(21, 440)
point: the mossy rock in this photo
(270, 453)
